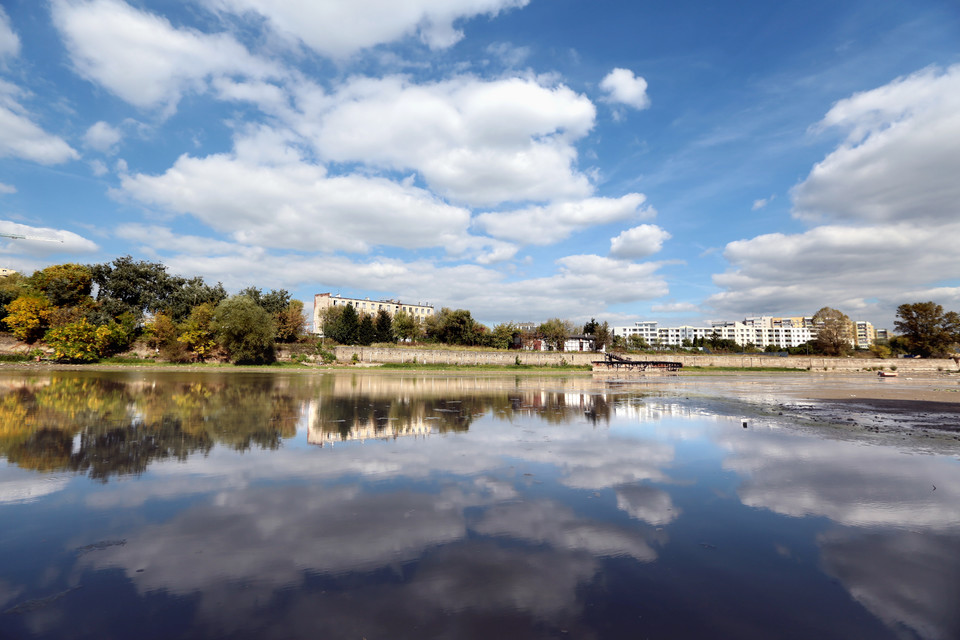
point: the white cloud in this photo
(760, 203)
(7, 188)
(899, 161)
(21, 137)
(890, 191)
(623, 87)
(27, 255)
(836, 266)
(638, 242)
(9, 41)
(142, 58)
(675, 307)
(541, 225)
(102, 137)
(476, 142)
(297, 205)
(338, 29)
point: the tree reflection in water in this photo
(106, 426)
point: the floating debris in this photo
(39, 603)
(100, 546)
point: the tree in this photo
(406, 326)
(457, 327)
(187, 294)
(290, 322)
(343, 324)
(274, 302)
(366, 331)
(245, 330)
(11, 288)
(64, 285)
(601, 334)
(28, 317)
(197, 333)
(834, 332)
(555, 332)
(927, 329)
(637, 342)
(384, 326)
(503, 335)
(590, 328)
(128, 286)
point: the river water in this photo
(362, 505)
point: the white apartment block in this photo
(365, 306)
(760, 331)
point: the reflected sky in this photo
(194, 505)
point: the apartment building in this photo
(323, 301)
(760, 331)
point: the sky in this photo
(524, 159)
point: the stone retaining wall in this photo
(553, 358)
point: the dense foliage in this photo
(927, 330)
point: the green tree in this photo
(245, 330)
(834, 332)
(384, 327)
(637, 342)
(186, 294)
(367, 331)
(346, 327)
(137, 287)
(555, 332)
(28, 317)
(274, 302)
(64, 285)
(602, 335)
(503, 335)
(406, 327)
(927, 329)
(458, 328)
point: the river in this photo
(334, 505)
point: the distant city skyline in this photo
(517, 158)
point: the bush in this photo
(28, 317)
(77, 342)
(245, 330)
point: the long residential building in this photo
(365, 306)
(759, 331)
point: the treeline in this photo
(345, 325)
(89, 312)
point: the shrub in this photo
(28, 317)
(245, 330)
(77, 341)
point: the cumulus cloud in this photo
(266, 196)
(21, 137)
(899, 161)
(144, 59)
(638, 242)
(541, 225)
(888, 192)
(27, 255)
(9, 41)
(102, 137)
(338, 29)
(623, 87)
(474, 141)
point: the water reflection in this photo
(454, 507)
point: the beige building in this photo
(864, 334)
(365, 306)
(5, 273)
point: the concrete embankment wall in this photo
(552, 358)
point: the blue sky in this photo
(524, 159)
